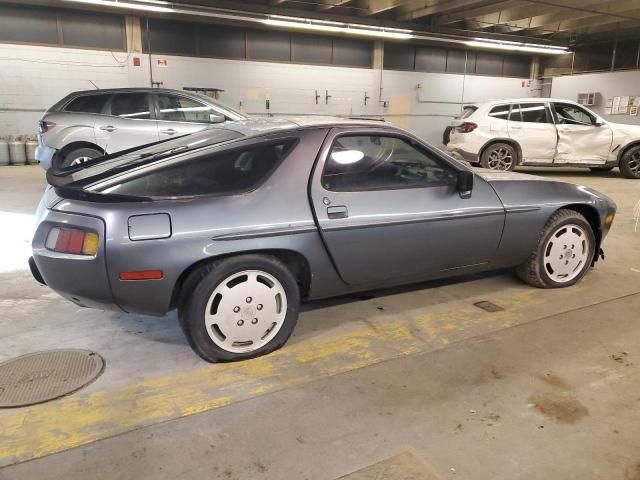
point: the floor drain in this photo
(488, 306)
(43, 376)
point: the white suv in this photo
(543, 132)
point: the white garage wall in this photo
(33, 78)
(609, 85)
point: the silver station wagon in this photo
(89, 124)
(236, 225)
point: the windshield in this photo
(105, 166)
(228, 112)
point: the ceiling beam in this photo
(520, 16)
(329, 4)
(475, 12)
(373, 7)
(424, 8)
(551, 20)
(593, 21)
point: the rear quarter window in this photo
(231, 171)
(87, 104)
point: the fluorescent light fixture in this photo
(148, 5)
(516, 46)
(337, 27)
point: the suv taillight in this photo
(72, 240)
(466, 127)
(44, 126)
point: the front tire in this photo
(563, 254)
(499, 156)
(630, 163)
(239, 307)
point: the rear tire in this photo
(499, 156)
(239, 307)
(79, 156)
(563, 254)
(630, 163)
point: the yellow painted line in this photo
(73, 421)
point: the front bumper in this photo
(44, 155)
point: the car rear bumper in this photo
(44, 155)
(461, 154)
(81, 279)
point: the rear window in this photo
(237, 170)
(87, 104)
(499, 111)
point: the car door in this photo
(388, 209)
(129, 121)
(531, 125)
(582, 137)
(180, 115)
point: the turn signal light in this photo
(466, 127)
(72, 240)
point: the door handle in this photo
(516, 127)
(169, 131)
(108, 128)
(337, 212)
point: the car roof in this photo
(525, 99)
(130, 89)
(258, 126)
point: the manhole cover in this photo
(488, 306)
(43, 376)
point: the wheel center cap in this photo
(248, 312)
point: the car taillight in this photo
(466, 127)
(45, 126)
(72, 240)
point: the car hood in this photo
(523, 190)
(630, 130)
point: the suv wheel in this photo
(630, 163)
(239, 307)
(499, 156)
(78, 156)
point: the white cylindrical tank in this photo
(30, 146)
(4, 152)
(17, 152)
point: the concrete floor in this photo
(412, 383)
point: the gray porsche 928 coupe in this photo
(235, 226)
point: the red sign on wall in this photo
(162, 62)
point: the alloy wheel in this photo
(245, 311)
(566, 253)
(500, 159)
(634, 163)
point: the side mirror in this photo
(599, 123)
(465, 183)
(215, 118)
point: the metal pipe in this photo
(613, 55)
(149, 46)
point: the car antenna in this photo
(97, 87)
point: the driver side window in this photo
(374, 162)
(573, 115)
